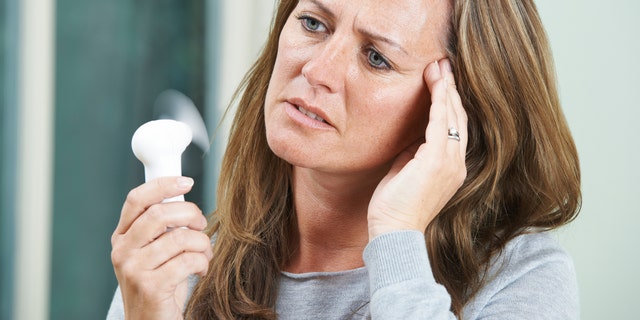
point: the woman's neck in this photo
(331, 216)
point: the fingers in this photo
(195, 255)
(446, 113)
(438, 114)
(446, 108)
(172, 244)
(150, 263)
(169, 250)
(458, 116)
(141, 237)
(141, 198)
(159, 218)
(147, 251)
(147, 241)
(182, 266)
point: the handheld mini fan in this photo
(159, 145)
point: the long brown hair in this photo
(522, 166)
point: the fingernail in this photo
(184, 182)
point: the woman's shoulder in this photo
(535, 258)
(536, 244)
(534, 250)
(532, 274)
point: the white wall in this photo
(596, 47)
(35, 159)
(244, 28)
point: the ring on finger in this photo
(453, 134)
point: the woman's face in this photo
(347, 92)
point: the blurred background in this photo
(77, 77)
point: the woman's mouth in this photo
(310, 114)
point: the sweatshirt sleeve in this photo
(116, 310)
(532, 279)
(401, 282)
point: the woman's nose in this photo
(328, 64)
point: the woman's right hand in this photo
(151, 264)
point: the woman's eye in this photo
(312, 24)
(376, 60)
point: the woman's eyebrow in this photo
(322, 8)
(381, 38)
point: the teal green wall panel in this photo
(112, 60)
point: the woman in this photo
(362, 181)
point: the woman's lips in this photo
(310, 114)
(306, 117)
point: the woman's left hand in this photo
(425, 176)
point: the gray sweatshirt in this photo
(533, 278)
